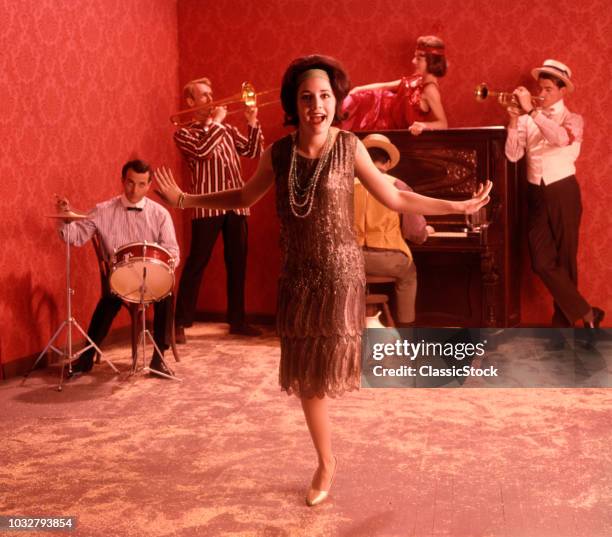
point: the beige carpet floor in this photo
(224, 452)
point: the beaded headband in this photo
(313, 73)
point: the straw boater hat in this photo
(558, 70)
(381, 141)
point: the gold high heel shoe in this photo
(315, 496)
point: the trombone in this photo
(247, 97)
(504, 98)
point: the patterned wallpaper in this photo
(86, 85)
(495, 42)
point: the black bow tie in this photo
(134, 209)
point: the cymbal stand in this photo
(70, 322)
(145, 333)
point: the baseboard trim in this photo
(220, 317)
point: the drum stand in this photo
(145, 333)
(69, 322)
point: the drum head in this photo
(152, 277)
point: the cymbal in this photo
(68, 216)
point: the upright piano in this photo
(468, 272)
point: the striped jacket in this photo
(213, 155)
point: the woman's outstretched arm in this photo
(252, 191)
(393, 85)
(410, 202)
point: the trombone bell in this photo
(248, 95)
(246, 98)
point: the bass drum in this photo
(142, 268)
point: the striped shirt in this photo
(212, 154)
(117, 227)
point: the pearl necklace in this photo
(301, 197)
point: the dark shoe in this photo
(160, 366)
(592, 329)
(598, 316)
(179, 334)
(72, 373)
(83, 364)
(244, 330)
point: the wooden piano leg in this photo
(490, 281)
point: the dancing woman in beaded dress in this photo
(412, 103)
(321, 292)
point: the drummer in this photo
(127, 218)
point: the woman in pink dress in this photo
(411, 103)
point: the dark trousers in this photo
(554, 223)
(105, 313)
(204, 233)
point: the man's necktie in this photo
(134, 209)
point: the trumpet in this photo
(504, 98)
(247, 97)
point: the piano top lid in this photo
(454, 129)
(486, 128)
(492, 132)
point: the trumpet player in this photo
(551, 137)
(212, 150)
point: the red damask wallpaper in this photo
(86, 85)
(496, 42)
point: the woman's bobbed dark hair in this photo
(338, 79)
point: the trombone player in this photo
(551, 137)
(212, 150)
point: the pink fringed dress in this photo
(385, 109)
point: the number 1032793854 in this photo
(28, 523)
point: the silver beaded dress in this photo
(321, 289)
